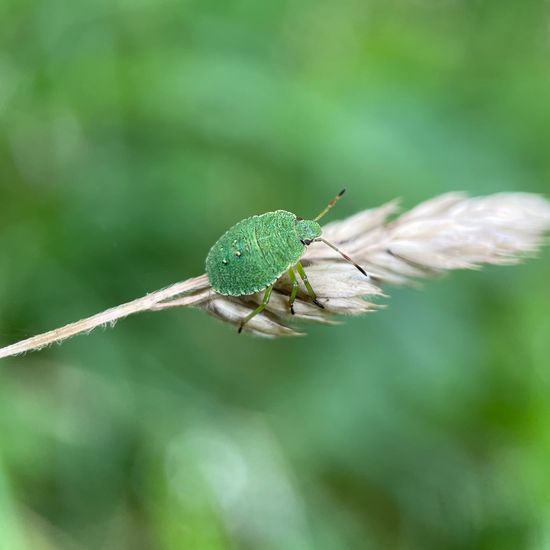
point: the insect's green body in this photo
(255, 252)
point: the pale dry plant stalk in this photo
(448, 232)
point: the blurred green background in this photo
(132, 134)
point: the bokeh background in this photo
(132, 134)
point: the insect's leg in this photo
(294, 291)
(309, 288)
(259, 309)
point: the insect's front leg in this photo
(309, 288)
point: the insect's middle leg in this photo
(309, 288)
(259, 309)
(294, 290)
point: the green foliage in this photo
(133, 133)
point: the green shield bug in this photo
(250, 256)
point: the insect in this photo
(254, 253)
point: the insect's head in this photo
(307, 230)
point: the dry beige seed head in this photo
(449, 232)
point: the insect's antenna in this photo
(345, 256)
(330, 204)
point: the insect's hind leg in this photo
(310, 291)
(259, 309)
(294, 290)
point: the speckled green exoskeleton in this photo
(255, 252)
